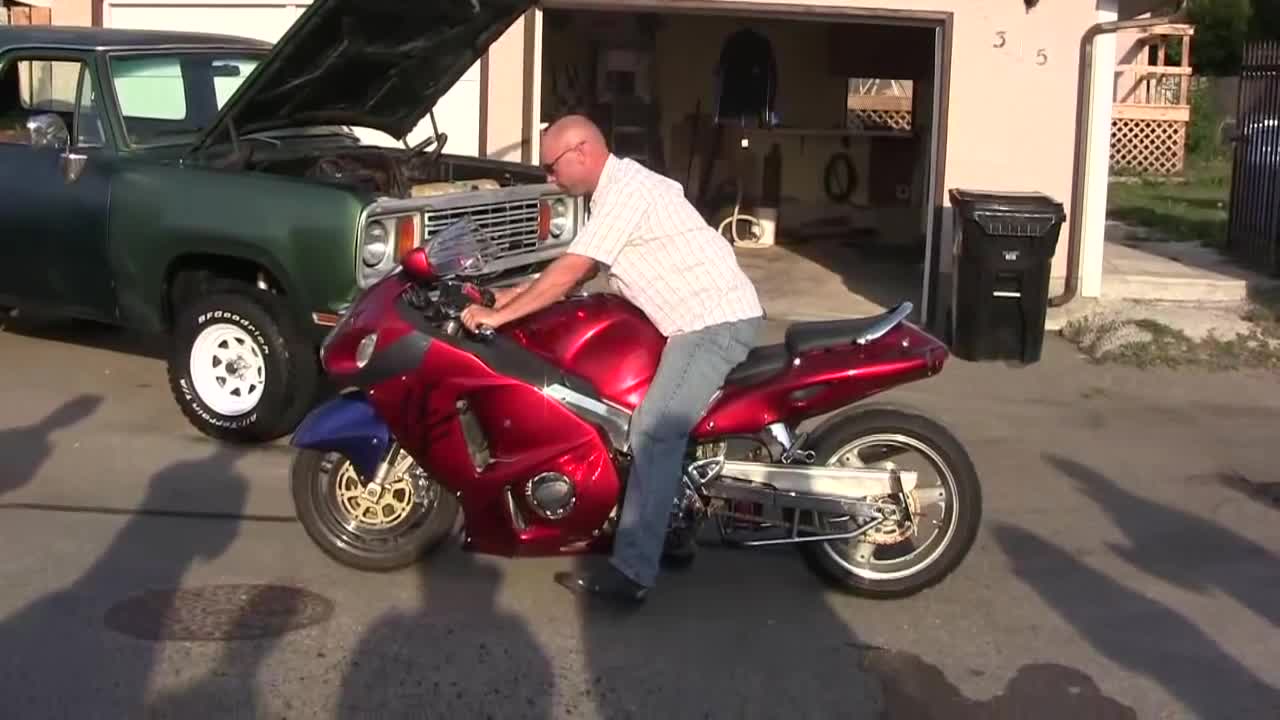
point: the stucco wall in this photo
(73, 12)
(1012, 95)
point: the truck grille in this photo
(512, 226)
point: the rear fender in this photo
(347, 425)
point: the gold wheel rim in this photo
(391, 509)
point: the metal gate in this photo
(1253, 231)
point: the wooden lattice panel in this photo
(880, 119)
(1156, 147)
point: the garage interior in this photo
(822, 134)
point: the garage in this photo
(819, 133)
(457, 114)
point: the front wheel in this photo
(940, 523)
(412, 517)
(239, 368)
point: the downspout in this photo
(1084, 124)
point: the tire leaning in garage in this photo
(239, 367)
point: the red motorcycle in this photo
(525, 430)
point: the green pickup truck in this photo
(212, 189)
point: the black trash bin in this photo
(1004, 248)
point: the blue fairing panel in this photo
(346, 425)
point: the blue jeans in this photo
(693, 367)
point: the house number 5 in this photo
(1042, 58)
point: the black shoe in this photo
(607, 584)
(679, 551)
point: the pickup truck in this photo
(211, 189)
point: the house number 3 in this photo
(1002, 39)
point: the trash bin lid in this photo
(1007, 201)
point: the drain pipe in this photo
(1084, 125)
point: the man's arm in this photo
(568, 271)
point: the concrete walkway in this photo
(1155, 270)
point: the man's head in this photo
(573, 154)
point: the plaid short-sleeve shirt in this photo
(661, 254)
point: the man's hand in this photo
(475, 315)
(560, 276)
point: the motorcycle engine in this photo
(551, 495)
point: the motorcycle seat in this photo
(761, 364)
(809, 336)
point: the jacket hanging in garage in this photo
(746, 79)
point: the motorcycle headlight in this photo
(374, 251)
(560, 218)
(364, 351)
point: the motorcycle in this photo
(523, 432)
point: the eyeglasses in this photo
(551, 166)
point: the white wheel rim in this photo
(228, 370)
(950, 498)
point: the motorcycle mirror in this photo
(417, 265)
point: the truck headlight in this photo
(375, 248)
(560, 218)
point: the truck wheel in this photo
(240, 368)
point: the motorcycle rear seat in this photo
(761, 364)
(809, 336)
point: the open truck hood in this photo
(380, 64)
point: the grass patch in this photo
(1192, 208)
(1264, 311)
(1147, 343)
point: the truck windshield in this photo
(169, 98)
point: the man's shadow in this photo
(1138, 633)
(1180, 548)
(460, 655)
(23, 450)
(738, 634)
(60, 658)
(230, 689)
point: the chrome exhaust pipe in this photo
(807, 487)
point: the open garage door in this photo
(812, 135)
(457, 113)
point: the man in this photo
(663, 257)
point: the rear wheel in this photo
(412, 517)
(935, 529)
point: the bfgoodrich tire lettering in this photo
(280, 352)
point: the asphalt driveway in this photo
(1128, 567)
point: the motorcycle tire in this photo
(312, 483)
(964, 508)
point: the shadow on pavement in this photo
(1138, 633)
(1180, 548)
(740, 634)
(24, 449)
(458, 656)
(754, 634)
(60, 659)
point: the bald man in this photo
(662, 256)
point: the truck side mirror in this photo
(47, 130)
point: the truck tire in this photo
(239, 367)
